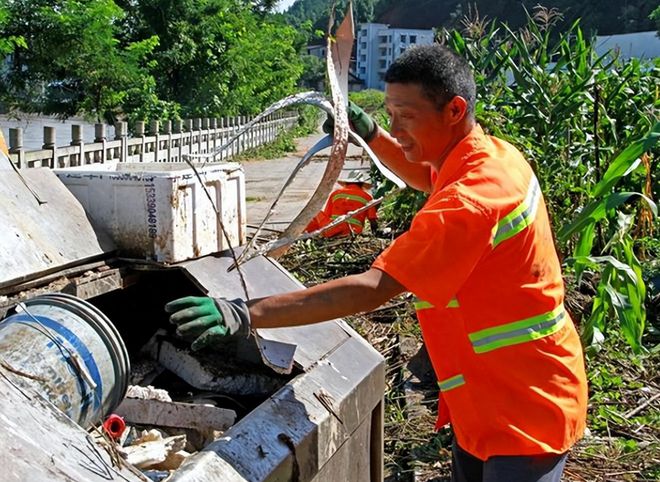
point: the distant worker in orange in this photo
(3, 144)
(353, 194)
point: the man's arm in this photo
(417, 176)
(386, 148)
(327, 301)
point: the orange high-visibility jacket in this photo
(340, 202)
(480, 258)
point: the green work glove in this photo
(361, 123)
(208, 321)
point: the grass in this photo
(308, 121)
(283, 143)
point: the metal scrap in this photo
(340, 137)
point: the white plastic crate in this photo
(160, 211)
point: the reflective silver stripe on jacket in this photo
(521, 331)
(451, 383)
(521, 217)
(425, 305)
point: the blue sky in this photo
(283, 5)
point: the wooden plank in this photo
(95, 284)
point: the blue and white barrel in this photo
(70, 352)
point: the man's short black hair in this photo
(440, 72)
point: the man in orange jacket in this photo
(479, 257)
(352, 195)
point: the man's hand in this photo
(208, 321)
(362, 124)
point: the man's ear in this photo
(456, 109)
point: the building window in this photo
(401, 50)
(403, 39)
(382, 39)
(413, 39)
(363, 58)
(363, 45)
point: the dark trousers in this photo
(506, 468)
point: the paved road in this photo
(264, 179)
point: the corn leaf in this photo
(611, 261)
(626, 161)
(597, 210)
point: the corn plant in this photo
(550, 94)
(570, 111)
(621, 290)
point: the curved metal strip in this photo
(381, 167)
(322, 144)
(339, 145)
(313, 98)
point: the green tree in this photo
(605, 17)
(655, 15)
(317, 12)
(314, 71)
(8, 43)
(216, 57)
(263, 6)
(72, 61)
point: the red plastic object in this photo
(114, 426)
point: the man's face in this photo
(423, 131)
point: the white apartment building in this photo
(317, 51)
(378, 46)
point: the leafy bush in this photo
(308, 120)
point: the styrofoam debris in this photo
(173, 461)
(152, 449)
(148, 393)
